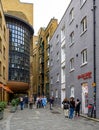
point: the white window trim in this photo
(71, 64)
(71, 15)
(72, 38)
(57, 77)
(62, 33)
(84, 57)
(83, 26)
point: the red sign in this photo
(85, 75)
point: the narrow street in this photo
(45, 119)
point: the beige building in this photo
(34, 65)
(41, 59)
(4, 45)
(19, 20)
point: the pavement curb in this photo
(82, 115)
(90, 118)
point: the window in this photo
(63, 54)
(51, 48)
(71, 15)
(4, 32)
(63, 74)
(52, 93)
(51, 80)
(84, 56)
(63, 33)
(72, 91)
(0, 19)
(57, 38)
(72, 38)
(47, 39)
(72, 64)
(82, 2)
(57, 56)
(3, 72)
(56, 93)
(57, 77)
(3, 52)
(47, 63)
(84, 25)
(51, 62)
(48, 50)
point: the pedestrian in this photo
(38, 102)
(77, 108)
(66, 107)
(26, 101)
(72, 107)
(21, 103)
(31, 100)
(44, 101)
(51, 102)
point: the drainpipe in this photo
(94, 53)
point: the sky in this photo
(44, 10)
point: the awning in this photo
(6, 88)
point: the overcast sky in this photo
(44, 10)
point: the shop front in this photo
(85, 90)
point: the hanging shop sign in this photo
(85, 75)
(93, 84)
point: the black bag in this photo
(66, 106)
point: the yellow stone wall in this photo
(42, 35)
(4, 45)
(35, 65)
(16, 5)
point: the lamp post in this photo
(94, 53)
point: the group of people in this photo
(71, 107)
(39, 101)
(26, 102)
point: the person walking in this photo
(31, 100)
(77, 108)
(72, 107)
(66, 107)
(26, 101)
(21, 103)
(44, 101)
(51, 100)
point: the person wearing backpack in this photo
(66, 107)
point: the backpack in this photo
(66, 106)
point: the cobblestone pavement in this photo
(45, 119)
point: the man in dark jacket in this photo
(51, 100)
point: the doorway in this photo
(84, 98)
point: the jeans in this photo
(21, 105)
(71, 113)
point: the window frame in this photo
(71, 15)
(71, 64)
(72, 38)
(84, 25)
(84, 57)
